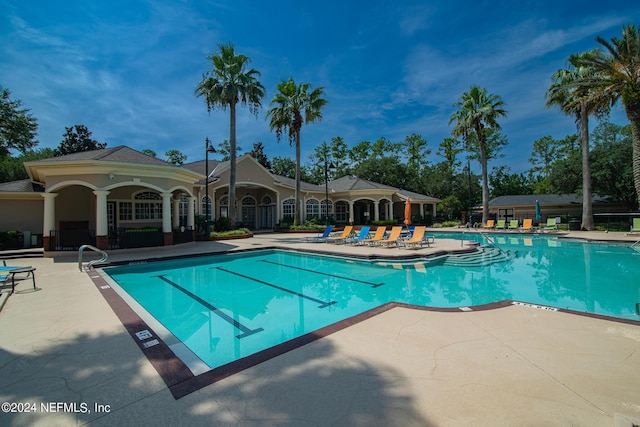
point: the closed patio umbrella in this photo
(407, 212)
(538, 215)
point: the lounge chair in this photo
(490, 223)
(513, 224)
(635, 226)
(551, 224)
(501, 224)
(418, 238)
(378, 236)
(394, 236)
(360, 238)
(321, 237)
(342, 237)
(527, 225)
(9, 272)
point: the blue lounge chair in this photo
(321, 237)
(9, 272)
(361, 237)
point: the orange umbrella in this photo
(407, 211)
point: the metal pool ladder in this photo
(104, 258)
(636, 246)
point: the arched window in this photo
(313, 208)
(326, 208)
(206, 207)
(342, 212)
(266, 201)
(147, 205)
(183, 209)
(288, 208)
(248, 201)
(224, 206)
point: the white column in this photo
(176, 213)
(278, 208)
(102, 224)
(191, 201)
(166, 212)
(351, 212)
(434, 210)
(49, 222)
(213, 205)
(422, 210)
(376, 210)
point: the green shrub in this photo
(222, 224)
(446, 224)
(237, 232)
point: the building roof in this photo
(351, 183)
(544, 200)
(22, 186)
(120, 154)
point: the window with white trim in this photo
(147, 206)
(206, 207)
(312, 208)
(288, 208)
(342, 212)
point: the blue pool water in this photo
(225, 307)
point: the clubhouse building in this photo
(122, 198)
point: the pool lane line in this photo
(215, 310)
(323, 304)
(373, 285)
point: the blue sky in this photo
(127, 69)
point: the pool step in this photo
(484, 256)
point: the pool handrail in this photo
(104, 258)
(492, 242)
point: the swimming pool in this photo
(221, 308)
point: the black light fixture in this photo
(327, 166)
(208, 149)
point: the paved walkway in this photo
(65, 353)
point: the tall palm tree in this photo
(580, 101)
(224, 85)
(293, 105)
(476, 117)
(617, 76)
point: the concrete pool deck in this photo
(63, 350)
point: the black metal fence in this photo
(139, 237)
(121, 238)
(182, 235)
(70, 240)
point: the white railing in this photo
(104, 258)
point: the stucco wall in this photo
(22, 215)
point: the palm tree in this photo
(580, 101)
(617, 76)
(475, 119)
(224, 85)
(292, 106)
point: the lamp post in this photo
(468, 168)
(208, 149)
(327, 166)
